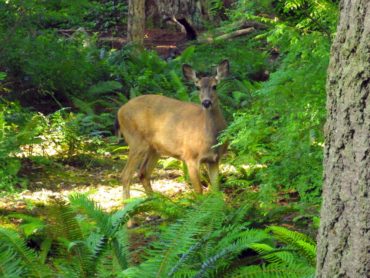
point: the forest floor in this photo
(53, 180)
(98, 178)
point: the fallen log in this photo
(228, 36)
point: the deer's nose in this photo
(206, 103)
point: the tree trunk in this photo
(136, 22)
(344, 235)
(195, 11)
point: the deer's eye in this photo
(214, 87)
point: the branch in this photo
(228, 36)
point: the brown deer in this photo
(154, 125)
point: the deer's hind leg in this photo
(135, 157)
(146, 170)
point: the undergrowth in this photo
(204, 238)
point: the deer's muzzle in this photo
(206, 103)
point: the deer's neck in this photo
(214, 122)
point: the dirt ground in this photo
(100, 182)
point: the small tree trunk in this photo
(344, 235)
(136, 22)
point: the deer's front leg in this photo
(193, 168)
(213, 170)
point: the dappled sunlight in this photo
(108, 197)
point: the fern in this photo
(82, 204)
(107, 224)
(303, 244)
(274, 271)
(74, 254)
(274, 255)
(295, 259)
(107, 238)
(204, 242)
(178, 239)
(90, 241)
(10, 264)
(227, 245)
(24, 259)
(102, 88)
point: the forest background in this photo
(66, 68)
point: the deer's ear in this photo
(222, 70)
(189, 73)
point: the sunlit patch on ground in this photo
(108, 197)
(98, 176)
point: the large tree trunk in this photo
(195, 11)
(344, 235)
(136, 21)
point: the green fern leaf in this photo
(10, 264)
(10, 240)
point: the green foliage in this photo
(63, 14)
(296, 259)
(17, 128)
(275, 136)
(84, 241)
(56, 67)
(282, 128)
(210, 238)
(108, 16)
(310, 15)
(275, 271)
(24, 260)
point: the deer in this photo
(155, 126)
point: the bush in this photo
(17, 128)
(283, 128)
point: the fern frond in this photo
(10, 264)
(274, 271)
(304, 245)
(82, 204)
(103, 87)
(186, 255)
(10, 240)
(308, 250)
(72, 246)
(30, 224)
(67, 268)
(179, 239)
(231, 245)
(288, 236)
(273, 255)
(96, 243)
(120, 247)
(165, 206)
(122, 216)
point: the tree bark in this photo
(195, 11)
(136, 22)
(344, 234)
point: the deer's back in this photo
(170, 126)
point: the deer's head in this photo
(207, 85)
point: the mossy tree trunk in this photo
(136, 22)
(344, 235)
